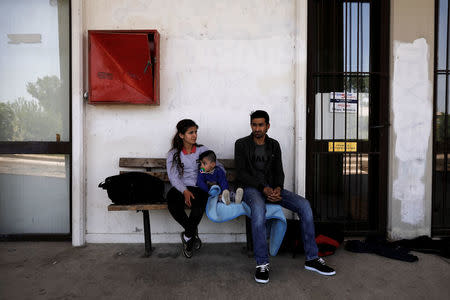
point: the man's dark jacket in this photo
(246, 172)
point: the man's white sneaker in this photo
(262, 273)
(318, 265)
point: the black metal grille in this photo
(441, 139)
(347, 116)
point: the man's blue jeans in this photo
(257, 202)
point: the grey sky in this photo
(25, 62)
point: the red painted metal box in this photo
(123, 66)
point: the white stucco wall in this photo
(219, 61)
(410, 164)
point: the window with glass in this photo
(35, 117)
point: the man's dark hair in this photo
(209, 154)
(259, 114)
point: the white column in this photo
(78, 109)
(300, 95)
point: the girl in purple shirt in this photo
(182, 169)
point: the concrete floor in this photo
(56, 270)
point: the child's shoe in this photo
(226, 197)
(239, 195)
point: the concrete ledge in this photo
(398, 234)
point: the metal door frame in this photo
(378, 116)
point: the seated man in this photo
(259, 170)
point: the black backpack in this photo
(134, 187)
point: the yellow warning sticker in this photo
(340, 146)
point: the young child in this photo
(209, 175)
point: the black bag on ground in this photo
(134, 187)
(380, 246)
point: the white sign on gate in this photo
(340, 100)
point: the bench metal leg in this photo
(248, 231)
(147, 234)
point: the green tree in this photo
(48, 91)
(33, 122)
(38, 119)
(7, 119)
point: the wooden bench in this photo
(157, 168)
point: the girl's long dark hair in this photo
(177, 142)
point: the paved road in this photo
(218, 271)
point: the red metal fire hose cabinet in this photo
(123, 66)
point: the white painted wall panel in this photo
(219, 61)
(412, 125)
(411, 102)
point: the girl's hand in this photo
(187, 197)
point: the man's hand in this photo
(187, 197)
(267, 191)
(275, 196)
(277, 191)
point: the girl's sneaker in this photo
(197, 242)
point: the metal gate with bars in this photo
(441, 139)
(347, 114)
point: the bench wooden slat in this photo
(160, 165)
(117, 207)
(231, 176)
(227, 163)
(131, 162)
(161, 175)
